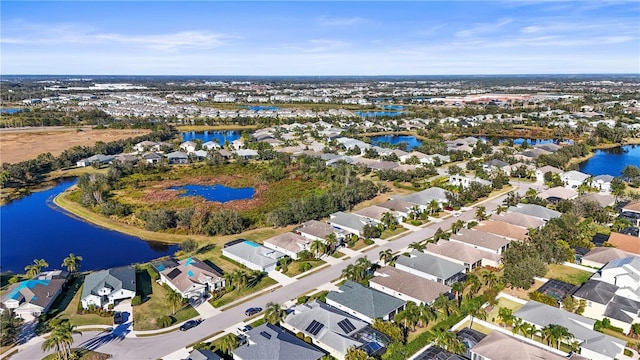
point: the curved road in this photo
(155, 347)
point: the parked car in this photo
(457, 213)
(117, 318)
(244, 329)
(252, 311)
(190, 324)
(448, 208)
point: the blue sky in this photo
(319, 38)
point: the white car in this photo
(457, 213)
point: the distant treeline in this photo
(32, 171)
(38, 117)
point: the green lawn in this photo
(234, 295)
(492, 316)
(337, 254)
(567, 274)
(294, 267)
(82, 354)
(390, 233)
(70, 311)
(156, 306)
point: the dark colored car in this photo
(190, 324)
(448, 208)
(117, 318)
(252, 311)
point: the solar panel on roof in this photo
(314, 328)
(346, 326)
(175, 272)
(265, 334)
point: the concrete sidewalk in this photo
(281, 278)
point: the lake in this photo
(35, 228)
(378, 113)
(219, 193)
(396, 139)
(611, 161)
(10, 111)
(217, 136)
(518, 141)
(259, 107)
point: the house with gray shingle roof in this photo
(593, 344)
(600, 256)
(545, 169)
(252, 255)
(190, 277)
(424, 197)
(602, 183)
(407, 286)
(203, 355)
(177, 157)
(30, 298)
(364, 302)
(431, 267)
(270, 342)
(602, 301)
(106, 287)
(327, 326)
(463, 254)
(538, 211)
(500, 346)
(99, 158)
(481, 240)
(349, 222)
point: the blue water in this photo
(218, 136)
(10, 111)
(258, 107)
(35, 228)
(518, 141)
(611, 161)
(396, 139)
(219, 193)
(378, 113)
(393, 107)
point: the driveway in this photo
(126, 328)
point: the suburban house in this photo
(481, 240)
(633, 207)
(572, 179)
(99, 159)
(503, 229)
(494, 165)
(106, 287)
(600, 256)
(546, 169)
(624, 273)
(558, 193)
(519, 219)
(247, 154)
(125, 158)
(593, 344)
(188, 146)
(252, 255)
(401, 207)
(407, 286)
(30, 298)
(332, 329)
(203, 355)
(177, 157)
(602, 183)
(190, 277)
(603, 301)
(152, 158)
(462, 254)
(431, 267)
(376, 213)
(500, 346)
(270, 342)
(631, 212)
(318, 230)
(288, 243)
(364, 302)
(211, 145)
(349, 222)
(146, 146)
(603, 199)
(465, 182)
(423, 198)
(538, 211)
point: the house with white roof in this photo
(602, 183)
(252, 255)
(573, 179)
(431, 267)
(188, 146)
(289, 243)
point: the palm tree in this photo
(489, 278)
(61, 338)
(331, 240)
(506, 315)
(425, 314)
(318, 247)
(274, 313)
(440, 234)
(433, 206)
(474, 284)
(481, 213)
(389, 221)
(479, 313)
(456, 226)
(72, 263)
(173, 298)
(414, 212)
(448, 341)
(458, 289)
(546, 334)
(228, 343)
(416, 245)
(518, 325)
(350, 272)
(445, 305)
(500, 209)
(240, 278)
(529, 330)
(363, 265)
(35, 268)
(559, 333)
(354, 353)
(386, 256)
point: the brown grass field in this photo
(23, 144)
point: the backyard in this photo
(567, 274)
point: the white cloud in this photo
(348, 21)
(483, 28)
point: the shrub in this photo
(369, 241)
(307, 339)
(300, 335)
(164, 321)
(137, 300)
(303, 299)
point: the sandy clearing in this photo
(20, 145)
